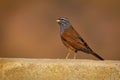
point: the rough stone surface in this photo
(58, 69)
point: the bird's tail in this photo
(96, 55)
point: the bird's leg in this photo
(75, 56)
(68, 54)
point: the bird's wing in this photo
(73, 38)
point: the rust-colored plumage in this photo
(72, 40)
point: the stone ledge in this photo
(58, 69)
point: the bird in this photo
(72, 39)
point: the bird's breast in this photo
(68, 45)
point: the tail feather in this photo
(96, 55)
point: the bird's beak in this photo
(58, 20)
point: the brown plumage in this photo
(72, 40)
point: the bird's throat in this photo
(64, 27)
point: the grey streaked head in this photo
(64, 23)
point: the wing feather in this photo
(72, 38)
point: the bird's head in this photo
(64, 22)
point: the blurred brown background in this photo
(28, 28)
